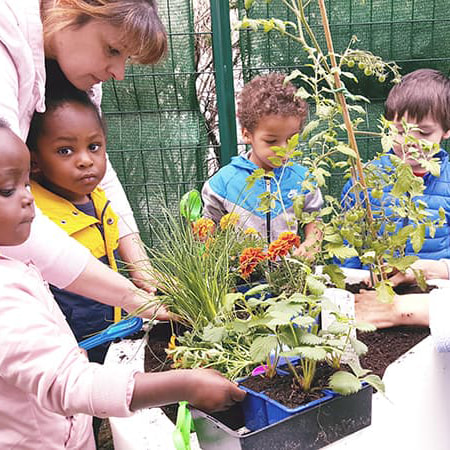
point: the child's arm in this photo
(202, 388)
(40, 356)
(411, 310)
(311, 244)
(101, 283)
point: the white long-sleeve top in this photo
(48, 388)
(22, 91)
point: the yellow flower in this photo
(172, 345)
(230, 219)
(251, 231)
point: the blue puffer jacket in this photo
(436, 195)
(226, 192)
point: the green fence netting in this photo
(157, 140)
(409, 32)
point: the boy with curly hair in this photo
(270, 114)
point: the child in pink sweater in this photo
(48, 388)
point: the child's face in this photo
(70, 158)
(430, 130)
(272, 130)
(16, 201)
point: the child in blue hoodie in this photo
(269, 114)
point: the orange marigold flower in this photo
(249, 259)
(203, 227)
(283, 245)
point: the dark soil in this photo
(387, 345)
(401, 289)
(156, 360)
(285, 389)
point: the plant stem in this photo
(347, 121)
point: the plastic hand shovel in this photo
(118, 330)
(191, 205)
(182, 434)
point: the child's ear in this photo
(246, 135)
(446, 135)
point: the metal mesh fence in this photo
(159, 138)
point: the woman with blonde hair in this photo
(91, 40)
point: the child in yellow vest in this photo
(68, 153)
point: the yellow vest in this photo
(79, 225)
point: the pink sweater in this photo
(48, 389)
(22, 83)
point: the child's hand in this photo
(157, 311)
(210, 391)
(143, 280)
(307, 250)
(409, 309)
(203, 388)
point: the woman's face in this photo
(89, 54)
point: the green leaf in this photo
(346, 150)
(248, 4)
(213, 334)
(418, 237)
(303, 321)
(344, 383)
(231, 299)
(375, 381)
(256, 290)
(310, 339)
(385, 293)
(364, 326)
(341, 251)
(262, 346)
(402, 263)
(315, 286)
(359, 347)
(313, 353)
(336, 275)
(275, 160)
(311, 126)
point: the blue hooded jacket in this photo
(435, 195)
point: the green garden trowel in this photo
(182, 434)
(191, 205)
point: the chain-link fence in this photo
(162, 120)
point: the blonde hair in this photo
(142, 31)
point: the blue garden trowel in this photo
(118, 330)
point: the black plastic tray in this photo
(311, 429)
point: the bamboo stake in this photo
(347, 120)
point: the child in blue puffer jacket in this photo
(269, 114)
(422, 98)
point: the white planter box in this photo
(400, 420)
